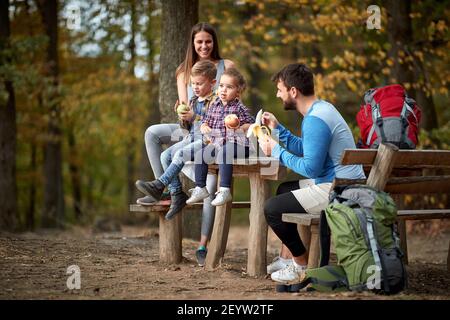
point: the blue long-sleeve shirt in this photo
(317, 153)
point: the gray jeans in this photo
(169, 133)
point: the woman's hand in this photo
(269, 120)
(205, 129)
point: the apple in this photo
(232, 121)
(182, 108)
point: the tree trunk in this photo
(406, 71)
(53, 215)
(8, 133)
(75, 176)
(178, 17)
(30, 220)
(154, 116)
(131, 166)
(400, 36)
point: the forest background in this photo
(80, 81)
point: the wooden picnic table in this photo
(259, 170)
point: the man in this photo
(315, 155)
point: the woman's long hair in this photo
(192, 56)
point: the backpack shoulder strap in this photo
(325, 235)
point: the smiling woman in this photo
(203, 45)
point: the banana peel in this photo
(258, 131)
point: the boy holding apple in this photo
(203, 75)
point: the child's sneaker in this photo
(198, 194)
(153, 189)
(222, 196)
(200, 254)
(278, 263)
(290, 274)
(145, 201)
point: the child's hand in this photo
(177, 103)
(186, 116)
(205, 129)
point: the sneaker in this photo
(198, 194)
(289, 275)
(178, 202)
(153, 189)
(145, 201)
(222, 196)
(278, 263)
(200, 254)
(165, 196)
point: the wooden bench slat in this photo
(163, 206)
(405, 158)
(407, 185)
(313, 218)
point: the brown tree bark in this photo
(178, 17)
(75, 176)
(53, 215)
(411, 70)
(400, 36)
(8, 132)
(131, 166)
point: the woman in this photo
(203, 45)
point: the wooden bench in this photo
(170, 231)
(385, 163)
(259, 170)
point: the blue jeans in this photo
(223, 155)
(173, 160)
(168, 133)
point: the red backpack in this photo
(388, 115)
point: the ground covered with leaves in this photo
(124, 265)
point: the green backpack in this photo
(361, 221)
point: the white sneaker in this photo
(222, 196)
(198, 194)
(278, 263)
(289, 275)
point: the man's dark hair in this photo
(296, 75)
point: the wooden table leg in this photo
(448, 257)
(170, 236)
(219, 236)
(257, 237)
(305, 235)
(403, 242)
(314, 247)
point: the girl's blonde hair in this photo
(234, 73)
(192, 56)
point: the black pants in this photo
(285, 202)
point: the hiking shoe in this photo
(145, 201)
(289, 275)
(222, 196)
(200, 254)
(165, 196)
(153, 189)
(178, 202)
(198, 194)
(278, 263)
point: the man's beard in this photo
(290, 104)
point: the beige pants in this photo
(313, 197)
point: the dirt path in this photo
(125, 266)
